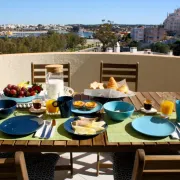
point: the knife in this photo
(50, 129)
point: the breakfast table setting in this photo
(104, 118)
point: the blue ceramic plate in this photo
(21, 100)
(153, 126)
(21, 125)
(68, 128)
(84, 111)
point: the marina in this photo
(21, 34)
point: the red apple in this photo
(21, 93)
(33, 93)
(30, 89)
(27, 94)
(23, 89)
(37, 89)
(13, 92)
(6, 91)
(9, 86)
(14, 87)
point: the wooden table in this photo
(100, 142)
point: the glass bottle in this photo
(54, 81)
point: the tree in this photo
(105, 34)
(75, 28)
(50, 32)
(160, 47)
(1, 46)
(44, 43)
(39, 26)
(82, 41)
(134, 44)
(9, 47)
(176, 48)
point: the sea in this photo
(84, 34)
(88, 35)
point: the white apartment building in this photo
(172, 22)
(137, 34)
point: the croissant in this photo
(123, 89)
(112, 84)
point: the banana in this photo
(23, 84)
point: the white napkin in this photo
(175, 135)
(40, 130)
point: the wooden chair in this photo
(38, 76)
(38, 73)
(120, 72)
(14, 168)
(26, 166)
(156, 167)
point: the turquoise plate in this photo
(84, 111)
(153, 126)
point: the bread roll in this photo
(96, 85)
(100, 86)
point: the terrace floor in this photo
(84, 167)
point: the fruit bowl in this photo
(22, 93)
(21, 100)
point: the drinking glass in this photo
(49, 106)
(148, 104)
(37, 103)
(167, 105)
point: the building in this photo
(154, 34)
(137, 33)
(172, 22)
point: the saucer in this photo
(37, 111)
(152, 111)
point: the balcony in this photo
(156, 72)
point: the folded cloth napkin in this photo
(176, 133)
(47, 125)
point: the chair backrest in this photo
(38, 72)
(13, 168)
(156, 167)
(120, 72)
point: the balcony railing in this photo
(156, 73)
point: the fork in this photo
(47, 123)
(53, 123)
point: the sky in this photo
(85, 11)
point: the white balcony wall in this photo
(156, 73)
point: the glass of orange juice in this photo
(167, 105)
(50, 108)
